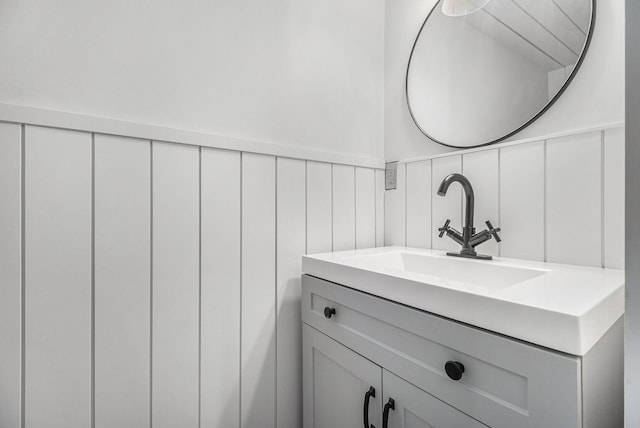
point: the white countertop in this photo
(562, 307)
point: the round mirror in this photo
(482, 70)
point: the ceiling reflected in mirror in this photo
(462, 7)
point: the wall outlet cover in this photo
(391, 175)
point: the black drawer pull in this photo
(391, 405)
(454, 370)
(370, 393)
(329, 312)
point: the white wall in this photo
(601, 76)
(149, 281)
(559, 200)
(303, 74)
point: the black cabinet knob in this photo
(454, 370)
(329, 312)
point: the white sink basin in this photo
(457, 272)
(562, 307)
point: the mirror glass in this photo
(483, 75)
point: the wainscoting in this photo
(558, 200)
(146, 283)
(149, 283)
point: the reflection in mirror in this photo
(478, 78)
(462, 7)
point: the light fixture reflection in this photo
(462, 7)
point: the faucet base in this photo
(471, 256)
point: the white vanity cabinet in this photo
(414, 408)
(353, 341)
(339, 380)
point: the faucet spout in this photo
(468, 230)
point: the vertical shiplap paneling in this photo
(175, 294)
(365, 208)
(319, 211)
(10, 274)
(344, 207)
(522, 201)
(220, 289)
(122, 195)
(482, 170)
(419, 204)
(57, 278)
(614, 198)
(291, 246)
(449, 206)
(395, 211)
(574, 201)
(379, 207)
(258, 291)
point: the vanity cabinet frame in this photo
(329, 365)
(507, 382)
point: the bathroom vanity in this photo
(398, 337)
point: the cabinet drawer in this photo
(506, 383)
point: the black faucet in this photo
(469, 239)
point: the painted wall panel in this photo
(380, 208)
(122, 227)
(522, 201)
(220, 289)
(482, 169)
(344, 206)
(614, 198)
(596, 97)
(10, 274)
(313, 83)
(365, 193)
(279, 196)
(258, 291)
(395, 211)
(175, 282)
(419, 204)
(291, 244)
(515, 184)
(57, 278)
(319, 208)
(449, 206)
(574, 197)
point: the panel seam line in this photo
(545, 204)
(151, 144)
(275, 280)
(93, 281)
(602, 200)
(241, 291)
(23, 275)
(199, 286)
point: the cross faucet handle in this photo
(493, 231)
(444, 228)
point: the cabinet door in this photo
(336, 380)
(414, 408)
